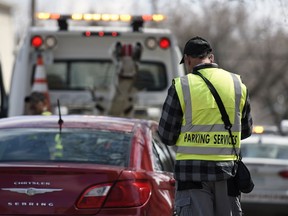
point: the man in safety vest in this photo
(191, 120)
(37, 104)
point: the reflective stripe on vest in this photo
(205, 150)
(208, 141)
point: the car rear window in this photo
(73, 145)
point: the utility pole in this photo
(32, 12)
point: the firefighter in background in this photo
(37, 104)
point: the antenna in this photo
(58, 147)
(60, 121)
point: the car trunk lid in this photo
(50, 189)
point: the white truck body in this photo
(81, 61)
(7, 43)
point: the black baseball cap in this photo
(35, 97)
(196, 47)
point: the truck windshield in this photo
(81, 75)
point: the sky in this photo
(275, 9)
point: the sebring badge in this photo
(32, 191)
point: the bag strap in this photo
(225, 117)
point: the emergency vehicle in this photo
(79, 67)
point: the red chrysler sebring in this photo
(84, 165)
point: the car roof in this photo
(266, 139)
(76, 121)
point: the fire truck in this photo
(88, 68)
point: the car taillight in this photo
(164, 43)
(128, 193)
(284, 174)
(94, 197)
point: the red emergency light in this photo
(87, 33)
(164, 43)
(114, 34)
(37, 41)
(45, 42)
(284, 174)
(100, 33)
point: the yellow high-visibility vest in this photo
(46, 113)
(203, 135)
(57, 151)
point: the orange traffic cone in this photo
(40, 83)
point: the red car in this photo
(87, 165)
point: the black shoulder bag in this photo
(242, 180)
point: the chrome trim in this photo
(31, 191)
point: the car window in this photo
(83, 75)
(267, 151)
(273, 147)
(163, 157)
(73, 145)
